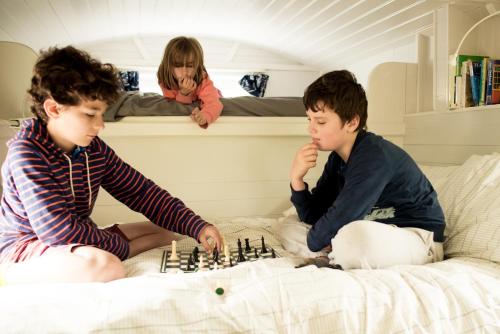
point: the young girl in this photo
(183, 78)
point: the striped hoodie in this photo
(49, 195)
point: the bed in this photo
(458, 295)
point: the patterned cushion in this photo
(470, 197)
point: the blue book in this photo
(475, 80)
(489, 82)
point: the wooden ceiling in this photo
(297, 34)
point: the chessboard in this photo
(189, 261)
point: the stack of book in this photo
(476, 81)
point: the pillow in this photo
(470, 198)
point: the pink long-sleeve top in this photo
(206, 93)
(49, 195)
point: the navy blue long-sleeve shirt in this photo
(379, 182)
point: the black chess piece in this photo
(195, 253)
(190, 262)
(241, 257)
(255, 251)
(273, 254)
(247, 246)
(264, 249)
(230, 262)
(215, 255)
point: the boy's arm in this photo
(364, 183)
(47, 208)
(211, 106)
(312, 205)
(142, 195)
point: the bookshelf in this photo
(480, 39)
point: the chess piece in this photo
(247, 246)
(190, 262)
(255, 251)
(201, 264)
(264, 249)
(227, 255)
(273, 254)
(173, 255)
(241, 257)
(215, 255)
(195, 253)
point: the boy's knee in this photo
(102, 266)
(352, 244)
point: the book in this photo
(475, 77)
(466, 92)
(489, 81)
(462, 58)
(482, 81)
(453, 72)
(495, 86)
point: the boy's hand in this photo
(186, 86)
(305, 159)
(210, 231)
(198, 116)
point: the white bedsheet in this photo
(268, 296)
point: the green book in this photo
(462, 58)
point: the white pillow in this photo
(470, 198)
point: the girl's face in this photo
(184, 69)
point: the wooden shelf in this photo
(486, 108)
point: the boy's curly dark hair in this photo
(340, 91)
(69, 75)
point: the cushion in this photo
(470, 198)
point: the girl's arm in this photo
(172, 94)
(142, 195)
(211, 107)
(46, 205)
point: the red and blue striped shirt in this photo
(46, 194)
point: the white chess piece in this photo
(201, 264)
(173, 256)
(226, 253)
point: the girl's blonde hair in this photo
(180, 50)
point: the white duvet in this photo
(268, 296)
(458, 295)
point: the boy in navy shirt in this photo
(372, 205)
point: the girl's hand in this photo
(198, 116)
(305, 159)
(212, 232)
(186, 86)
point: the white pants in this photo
(366, 244)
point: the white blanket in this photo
(457, 295)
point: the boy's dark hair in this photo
(69, 75)
(176, 54)
(340, 91)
